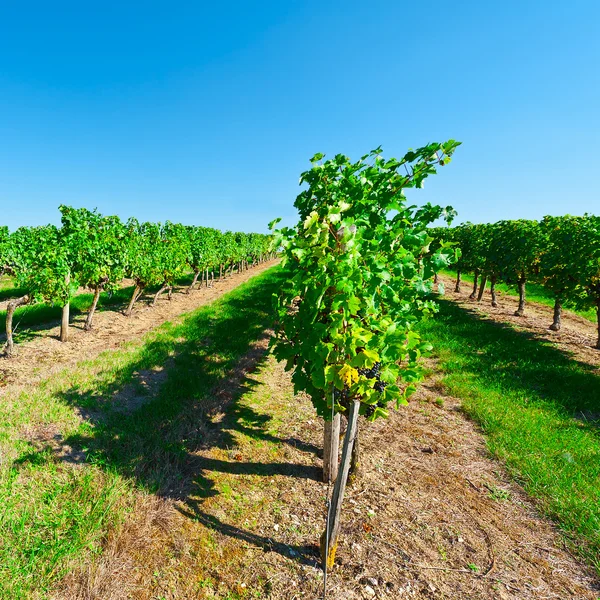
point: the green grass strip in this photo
(539, 409)
(145, 407)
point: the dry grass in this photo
(432, 516)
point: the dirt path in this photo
(577, 335)
(44, 354)
(431, 517)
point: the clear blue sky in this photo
(207, 113)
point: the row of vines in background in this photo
(560, 253)
(49, 264)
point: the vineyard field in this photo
(331, 408)
(41, 314)
(49, 264)
(560, 254)
(226, 499)
(42, 351)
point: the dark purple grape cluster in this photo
(374, 373)
(370, 410)
(380, 386)
(343, 395)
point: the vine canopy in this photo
(359, 263)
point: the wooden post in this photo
(328, 550)
(10, 311)
(64, 324)
(355, 459)
(331, 446)
(482, 288)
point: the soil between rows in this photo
(43, 354)
(431, 516)
(577, 335)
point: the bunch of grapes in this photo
(374, 373)
(342, 396)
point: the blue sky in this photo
(207, 113)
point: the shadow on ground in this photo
(182, 394)
(522, 362)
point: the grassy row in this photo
(143, 407)
(540, 411)
(535, 293)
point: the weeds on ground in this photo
(529, 396)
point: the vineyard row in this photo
(49, 264)
(560, 253)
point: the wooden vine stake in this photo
(331, 446)
(329, 542)
(64, 323)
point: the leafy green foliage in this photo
(95, 245)
(561, 253)
(41, 265)
(204, 247)
(156, 254)
(48, 264)
(359, 264)
(517, 249)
